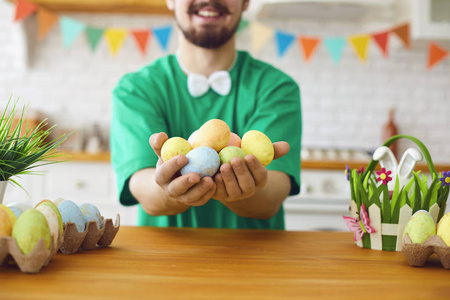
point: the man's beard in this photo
(209, 38)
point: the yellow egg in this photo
(31, 226)
(10, 213)
(214, 133)
(173, 147)
(257, 143)
(443, 229)
(5, 224)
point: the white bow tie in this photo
(198, 84)
(219, 81)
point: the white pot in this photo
(3, 185)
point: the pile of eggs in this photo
(214, 144)
(27, 225)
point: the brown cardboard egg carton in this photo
(32, 262)
(418, 254)
(90, 237)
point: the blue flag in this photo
(70, 29)
(162, 35)
(283, 41)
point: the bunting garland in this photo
(260, 35)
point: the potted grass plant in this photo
(22, 149)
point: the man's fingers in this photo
(167, 171)
(280, 149)
(157, 140)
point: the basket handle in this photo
(391, 140)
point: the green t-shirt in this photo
(156, 99)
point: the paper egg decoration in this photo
(257, 143)
(203, 160)
(214, 133)
(420, 227)
(70, 212)
(91, 213)
(30, 227)
(173, 147)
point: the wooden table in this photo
(171, 263)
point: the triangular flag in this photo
(162, 35)
(242, 25)
(381, 39)
(283, 41)
(93, 36)
(308, 45)
(260, 35)
(115, 37)
(435, 54)
(141, 37)
(46, 20)
(70, 29)
(335, 46)
(360, 45)
(24, 9)
(402, 32)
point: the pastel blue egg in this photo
(203, 160)
(70, 212)
(17, 212)
(91, 213)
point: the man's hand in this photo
(242, 179)
(187, 189)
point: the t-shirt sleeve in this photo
(135, 117)
(278, 115)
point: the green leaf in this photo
(427, 198)
(417, 204)
(386, 211)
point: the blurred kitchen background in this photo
(345, 105)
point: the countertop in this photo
(186, 263)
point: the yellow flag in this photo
(115, 37)
(260, 35)
(360, 44)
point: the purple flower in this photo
(347, 172)
(383, 176)
(445, 179)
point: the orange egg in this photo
(214, 133)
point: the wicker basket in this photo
(389, 211)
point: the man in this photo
(164, 100)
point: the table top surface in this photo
(187, 263)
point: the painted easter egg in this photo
(5, 224)
(203, 160)
(10, 213)
(443, 229)
(214, 133)
(19, 207)
(420, 227)
(55, 209)
(235, 140)
(70, 212)
(52, 220)
(192, 138)
(229, 152)
(91, 213)
(30, 227)
(257, 143)
(174, 146)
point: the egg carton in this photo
(418, 254)
(91, 237)
(32, 262)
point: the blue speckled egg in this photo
(203, 160)
(91, 213)
(70, 212)
(19, 207)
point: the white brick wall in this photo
(344, 106)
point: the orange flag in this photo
(46, 20)
(403, 33)
(381, 39)
(435, 55)
(141, 37)
(308, 45)
(24, 9)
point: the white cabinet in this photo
(92, 182)
(431, 19)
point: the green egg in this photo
(420, 227)
(30, 227)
